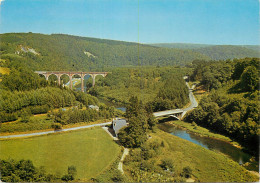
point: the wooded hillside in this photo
(65, 52)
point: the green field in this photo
(90, 150)
(206, 165)
(4, 70)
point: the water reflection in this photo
(209, 143)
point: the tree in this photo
(72, 171)
(250, 79)
(167, 164)
(56, 126)
(136, 133)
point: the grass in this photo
(37, 123)
(4, 70)
(206, 165)
(91, 150)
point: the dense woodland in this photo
(162, 87)
(64, 52)
(232, 105)
(217, 52)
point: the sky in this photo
(234, 22)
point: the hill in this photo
(65, 52)
(216, 52)
(223, 52)
(180, 45)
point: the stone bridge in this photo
(46, 74)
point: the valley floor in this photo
(91, 151)
(206, 165)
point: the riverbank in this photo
(205, 165)
(214, 141)
(203, 132)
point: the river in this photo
(209, 143)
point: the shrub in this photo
(147, 165)
(67, 177)
(56, 126)
(39, 109)
(186, 172)
(5, 117)
(167, 164)
(72, 171)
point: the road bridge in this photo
(179, 113)
(58, 74)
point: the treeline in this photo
(174, 94)
(233, 109)
(141, 120)
(77, 115)
(64, 52)
(211, 74)
(162, 87)
(223, 52)
(24, 171)
(216, 52)
(214, 74)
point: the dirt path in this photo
(120, 165)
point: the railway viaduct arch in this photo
(46, 74)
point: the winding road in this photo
(193, 104)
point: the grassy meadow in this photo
(90, 150)
(3, 70)
(206, 165)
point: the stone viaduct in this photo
(46, 74)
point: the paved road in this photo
(168, 112)
(57, 131)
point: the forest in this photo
(231, 108)
(216, 52)
(162, 87)
(73, 53)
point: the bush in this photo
(72, 171)
(67, 177)
(186, 172)
(147, 165)
(25, 115)
(39, 109)
(5, 117)
(117, 176)
(56, 126)
(167, 164)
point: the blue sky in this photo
(145, 21)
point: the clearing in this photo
(90, 150)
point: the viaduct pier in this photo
(58, 74)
